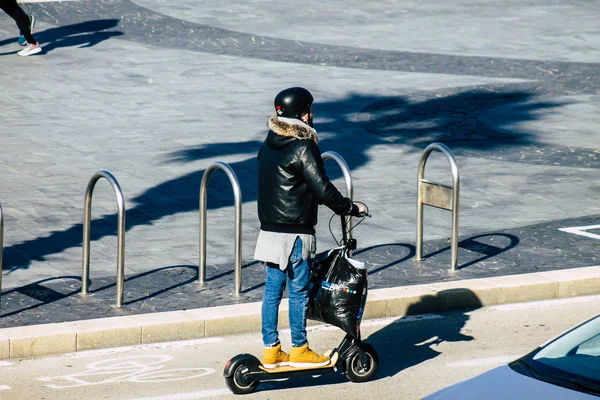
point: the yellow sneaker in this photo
(274, 357)
(303, 357)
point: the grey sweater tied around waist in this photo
(276, 247)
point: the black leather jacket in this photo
(292, 180)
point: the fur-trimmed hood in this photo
(291, 128)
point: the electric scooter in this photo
(353, 358)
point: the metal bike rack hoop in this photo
(237, 192)
(347, 178)
(440, 196)
(120, 233)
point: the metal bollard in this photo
(120, 234)
(238, 223)
(440, 196)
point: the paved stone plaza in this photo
(155, 91)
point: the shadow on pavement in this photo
(406, 342)
(400, 247)
(38, 294)
(388, 121)
(44, 294)
(412, 340)
(473, 245)
(82, 35)
(168, 288)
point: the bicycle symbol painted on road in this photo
(138, 369)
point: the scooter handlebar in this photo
(363, 206)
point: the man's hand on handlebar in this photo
(359, 210)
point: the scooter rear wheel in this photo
(362, 366)
(238, 383)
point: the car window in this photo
(590, 347)
(576, 353)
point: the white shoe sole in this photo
(32, 52)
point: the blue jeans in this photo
(297, 274)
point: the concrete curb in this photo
(67, 337)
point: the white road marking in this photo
(144, 347)
(4, 387)
(581, 230)
(433, 341)
(483, 361)
(545, 303)
(5, 364)
(191, 395)
(373, 322)
(399, 320)
(137, 369)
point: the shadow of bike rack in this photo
(120, 234)
(237, 192)
(348, 179)
(440, 196)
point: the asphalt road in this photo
(418, 355)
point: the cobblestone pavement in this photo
(514, 251)
(155, 91)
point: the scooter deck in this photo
(332, 362)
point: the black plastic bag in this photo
(339, 291)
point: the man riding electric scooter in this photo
(291, 184)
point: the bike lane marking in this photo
(545, 303)
(135, 369)
(371, 323)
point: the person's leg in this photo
(22, 41)
(273, 356)
(274, 286)
(23, 23)
(299, 278)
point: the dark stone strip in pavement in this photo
(529, 249)
(146, 26)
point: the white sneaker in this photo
(30, 50)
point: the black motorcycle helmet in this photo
(293, 102)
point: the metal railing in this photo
(1, 247)
(120, 234)
(440, 196)
(347, 178)
(238, 223)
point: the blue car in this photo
(566, 368)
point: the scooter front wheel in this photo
(362, 366)
(238, 382)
